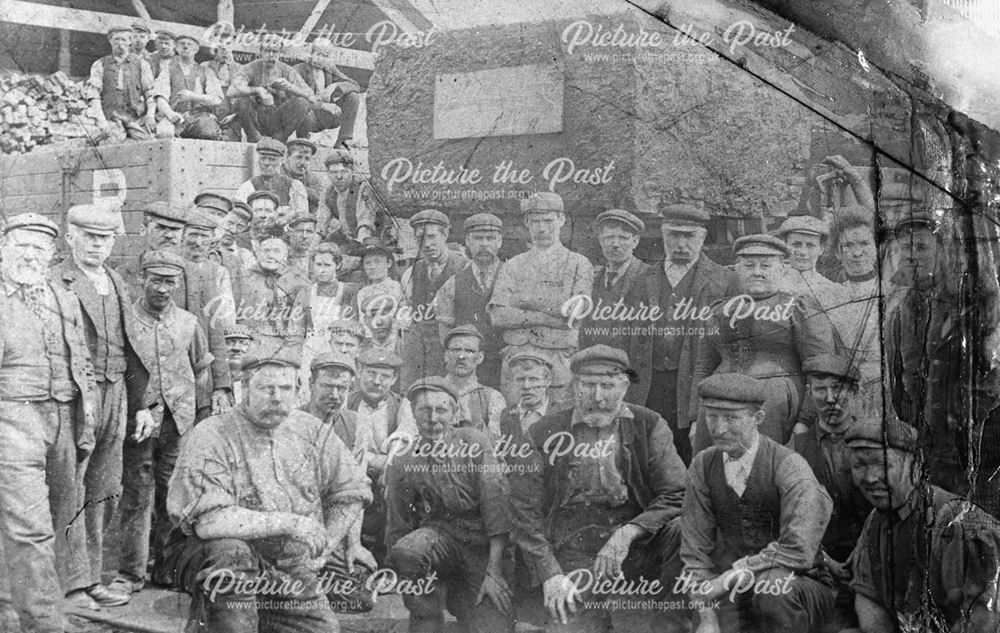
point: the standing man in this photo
(531, 291)
(300, 234)
(462, 300)
(807, 237)
(479, 407)
(47, 426)
(436, 264)
(110, 329)
(293, 199)
(336, 93)
(192, 91)
(349, 214)
(122, 90)
(623, 280)
(268, 298)
(296, 166)
(173, 347)
(685, 284)
(232, 251)
(752, 505)
(265, 222)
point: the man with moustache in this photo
(927, 559)
(598, 489)
(330, 378)
(162, 229)
(293, 199)
(122, 90)
(479, 406)
(172, 345)
(336, 92)
(532, 289)
(192, 93)
(265, 222)
(225, 68)
(275, 517)
(686, 284)
(448, 518)
(140, 36)
(437, 264)
(238, 340)
(296, 166)
(47, 405)
(625, 279)
(300, 233)
(164, 51)
(349, 213)
(270, 98)
(268, 298)
(109, 328)
(753, 510)
(462, 300)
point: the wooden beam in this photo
(406, 16)
(225, 12)
(313, 18)
(49, 16)
(140, 8)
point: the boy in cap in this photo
(436, 264)
(140, 36)
(462, 300)
(192, 91)
(807, 238)
(336, 92)
(293, 199)
(687, 277)
(449, 519)
(532, 374)
(763, 332)
(480, 407)
(753, 511)
(532, 289)
(173, 347)
(622, 280)
(296, 166)
(927, 559)
(166, 50)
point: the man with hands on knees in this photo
(263, 487)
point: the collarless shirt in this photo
(738, 468)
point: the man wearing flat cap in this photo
(232, 250)
(165, 49)
(754, 516)
(626, 282)
(595, 494)
(927, 559)
(686, 284)
(763, 332)
(293, 199)
(448, 518)
(174, 349)
(532, 375)
(269, 294)
(336, 92)
(300, 233)
(296, 166)
(141, 33)
(462, 300)
(47, 407)
(112, 334)
(349, 213)
(480, 407)
(192, 91)
(238, 339)
(531, 290)
(274, 518)
(436, 264)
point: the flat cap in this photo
(140, 25)
(482, 222)
(266, 194)
(731, 391)
(380, 358)
(302, 142)
(918, 219)
(333, 360)
(242, 210)
(121, 29)
(166, 214)
(31, 222)
(429, 216)
(162, 262)
(238, 331)
(347, 325)
(873, 433)
(99, 219)
(623, 217)
(601, 360)
(462, 330)
(339, 157)
(528, 356)
(803, 224)
(760, 244)
(543, 202)
(375, 245)
(164, 34)
(213, 200)
(185, 36)
(268, 145)
(281, 360)
(302, 218)
(683, 217)
(832, 365)
(432, 383)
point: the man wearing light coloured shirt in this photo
(479, 406)
(532, 375)
(293, 198)
(806, 237)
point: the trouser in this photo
(558, 391)
(200, 125)
(277, 121)
(459, 568)
(39, 498)
(144, 521)
(423, 354)
(127, 125)
(663, 399)
(223, 576)
(102, 480)
(342, 115)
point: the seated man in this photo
(448, 519)
(193, 93)
(293, 199)
(274, 518)
(479, 406)
(595, 496)
(927, 559)
(336, 92)
(754, 517)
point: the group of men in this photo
(138, 94)
(264, 400)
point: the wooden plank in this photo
(406, 16)
(313, 18)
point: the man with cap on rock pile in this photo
(122, 91)
(753, 522)
(763, 332)
(435, 265)
(141, 33)
(192, 93)
(336, 92)
(807, 237)
(687, 277)
(164, 51)
(308, 493)
(47, 407)
(173, 347)
(293, 199)
(462, 300)
(448, 518)
(480, 407)
(532, 289)
(296, 166)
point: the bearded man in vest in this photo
(435, 265)
(293, 199)
(462, 300)
(192, 91)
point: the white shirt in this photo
(738, 469)
(528, 417)
(373, 425)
